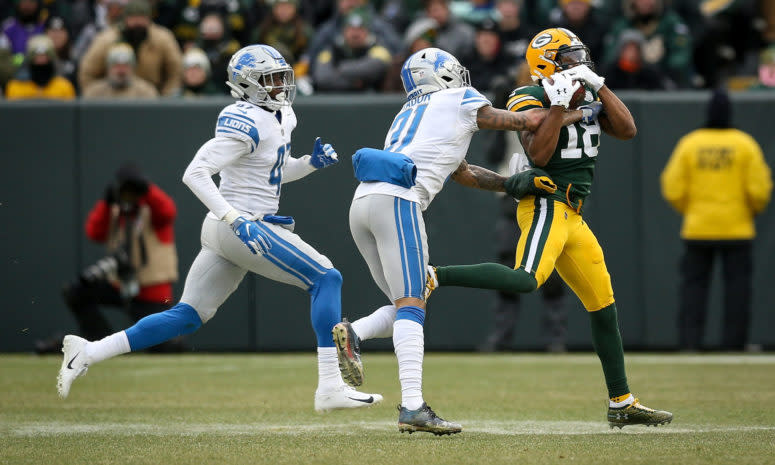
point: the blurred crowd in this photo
(180, 48)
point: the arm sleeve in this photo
(211, 158)
(759, 179)
(673, 179)
(162, 206)
(98, 221)
(296, 168)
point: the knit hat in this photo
(358, 17)
(137, 8)
(719, 110)
(120, 53)
(196, 57)
(40, 45)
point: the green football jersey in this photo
(572, 165)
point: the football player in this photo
(425, 144)
(554, 234)
(252, 152)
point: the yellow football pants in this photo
(555, 236)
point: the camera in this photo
(114, 267)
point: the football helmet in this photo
(431, 70)
(256, 71)
(553, 50)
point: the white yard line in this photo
(507, 428)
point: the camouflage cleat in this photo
(637, 414)
(425, 419)
(348, 351)
(431, 282)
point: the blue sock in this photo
(412, 313)
(159, 327)
(326, 308)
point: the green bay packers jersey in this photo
(572, 165)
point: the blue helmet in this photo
(430, 70)
(257, 70)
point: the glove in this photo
(249, 233)
(589, 112)
(530, 182)
(323, 155)
(560, 91)
(583, 73)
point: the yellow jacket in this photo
(718, 180)
(57, 88)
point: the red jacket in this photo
(163, 213)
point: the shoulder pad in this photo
(234, 121)
(525, 98)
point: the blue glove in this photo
(589, 112)
(323, 155)
(249, 233)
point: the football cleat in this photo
(348, 351)
(425, 419)
(344, 397)
(73, 365)
(637, 414)
(431, 282)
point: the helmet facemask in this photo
(263, 78)
(568, 57)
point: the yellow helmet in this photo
(553, 50)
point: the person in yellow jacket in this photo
(718, 180)
(38, 78)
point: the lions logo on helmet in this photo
(430, 70)
(554, 50)
(260, 75)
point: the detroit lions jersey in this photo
(434, 130)
(252, 183)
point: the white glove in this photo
(583, 73)
(561, 90)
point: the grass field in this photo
(257, 408)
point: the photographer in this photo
(134, 220)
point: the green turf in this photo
(515, 409)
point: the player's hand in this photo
(323, 155)
(560, 90)
(531, 182)
(253, 237)
(589, 112)
(583, 73)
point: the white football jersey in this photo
(434, 130)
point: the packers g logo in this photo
(541, 40)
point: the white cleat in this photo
(73, 365)
(344, 397)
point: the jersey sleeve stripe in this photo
(241, 118)
(474, 100)
(532, 103)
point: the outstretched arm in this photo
(529, 120)
(478, 177)
(616, 119)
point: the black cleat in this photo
(637, 414)
(425, 419)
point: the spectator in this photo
(285, 30)
(38, 79)
(190, 14)
(27, 22)
(399, 13)
(452, 35)
(718, 180)
(121, 81)
(581, 18)
(421, 34)
(629, 71)
(107, 13)
(134, 219)
(355, 62)
(7, 64)
(327, 33)
(667, 41)
(218, 45)
(158, 54)
(197, 75)
(515, 33)
(768, 13)
(473, 11)
(66, 63)
(490, 66)
(766, 74)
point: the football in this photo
(578, 96)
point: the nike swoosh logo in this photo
(365, 401)
(70, 363)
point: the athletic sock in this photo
(487, 276)
(608, 344)
(378, 324)
(107, 347)
(409, 346)
(329, 377)
(621, 401)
